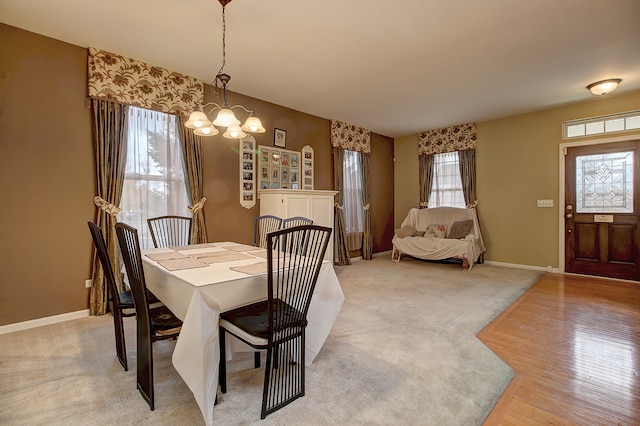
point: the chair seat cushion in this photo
(126, 300)
(163, 321)
(253, 319)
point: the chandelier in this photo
(226, 119)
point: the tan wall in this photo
(46, 177)
(517, 164)
(406, 177)
(47, 180)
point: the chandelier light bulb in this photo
(253, 125)
(206, 131)
(234, 132)
(197, 119)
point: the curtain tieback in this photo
(113, 210)
(197, 206)
(367, 207)
(338, 206)
(473, 205)
(424, 204)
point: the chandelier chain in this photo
(224, 44)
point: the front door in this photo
(602, 236)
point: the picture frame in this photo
(279, 137)
(248, 172)
(306, 171)
(277, 168)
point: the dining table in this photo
(197, 282)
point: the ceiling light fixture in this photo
(603, 87)
(199, 121)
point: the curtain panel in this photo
(467, 163)
(426, 178)
(194, 170)
(449, 139)
(340, 252)
(348, 136)
(109, 139)
(127, 81)
(367, 238)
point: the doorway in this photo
(601, 210)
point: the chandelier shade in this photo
(199, 121)
(253, 125)
(226, 118)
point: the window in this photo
(352, 190)
(154, 177)
(599, 125)
(604, 183)
(446, 187)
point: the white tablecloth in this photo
(198, 295)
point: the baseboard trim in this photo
(516, 265)
(39, 322)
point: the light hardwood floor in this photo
(574, 343)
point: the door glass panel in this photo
(604, 183)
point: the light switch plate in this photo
(545, 203)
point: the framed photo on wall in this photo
(278, 168)
(247, 151)
(279, 137)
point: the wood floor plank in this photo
(574, 344)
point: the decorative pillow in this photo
(438, 231)
(406, 231)
(460, 229)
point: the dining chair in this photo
(120, 302)
(262, 226)
(295, 221)
(151, 325)
(278, 324)
(170, 230)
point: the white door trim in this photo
(561, 153)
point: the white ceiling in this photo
(395, 67)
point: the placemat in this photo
(192, 246)
(221, 256)
(178, 264)
(260, 253)
(253, 269)
(166, 256)
(242, 247)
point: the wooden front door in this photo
(602, 236)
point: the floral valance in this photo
(449, 139)
(348, 136)
(119, 79)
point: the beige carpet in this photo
(403, 351)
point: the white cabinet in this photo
(315, 205)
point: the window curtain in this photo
(114, 82)
(426, 179)
(462, 137)
(467, 162)
(109, 138)
(194, 170)
(367, 238)
(353, 138)
(341, 252)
